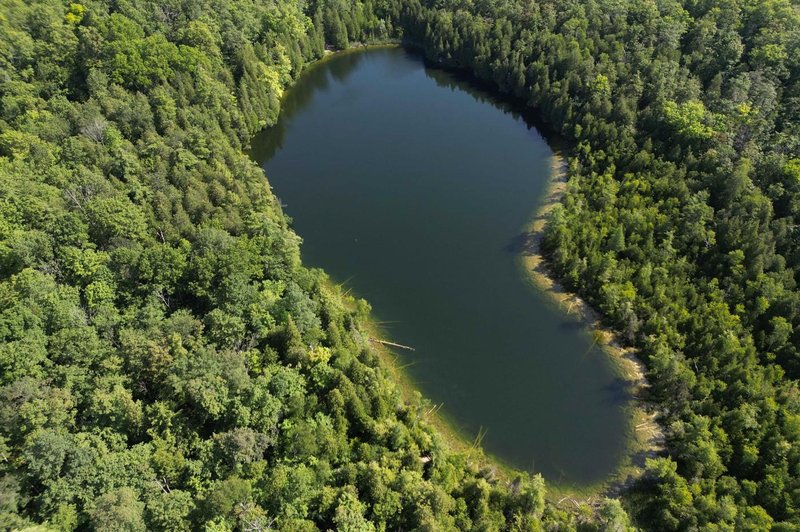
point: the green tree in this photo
(118, 510)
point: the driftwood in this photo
(385, 342)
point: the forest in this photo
(168, 363)
(680, 223)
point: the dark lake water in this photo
(411, 186)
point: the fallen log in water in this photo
(386, 342)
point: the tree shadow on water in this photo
(618, 392)
(524, 243)
(571, 325)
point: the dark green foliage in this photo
(166, 363)
(680, 222)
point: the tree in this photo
(119, 509)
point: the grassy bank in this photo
(432, 414)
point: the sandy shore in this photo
(646, 436)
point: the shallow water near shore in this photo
(413, 187)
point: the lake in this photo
(411, 186)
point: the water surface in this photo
(411, 186)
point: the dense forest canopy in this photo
(681, 218)
(166, 362)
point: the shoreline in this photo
(644, 434)
(445, 428)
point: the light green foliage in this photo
(792, 170)
(613, 517)
(690, 119)
(349, 514)
(118, 510)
